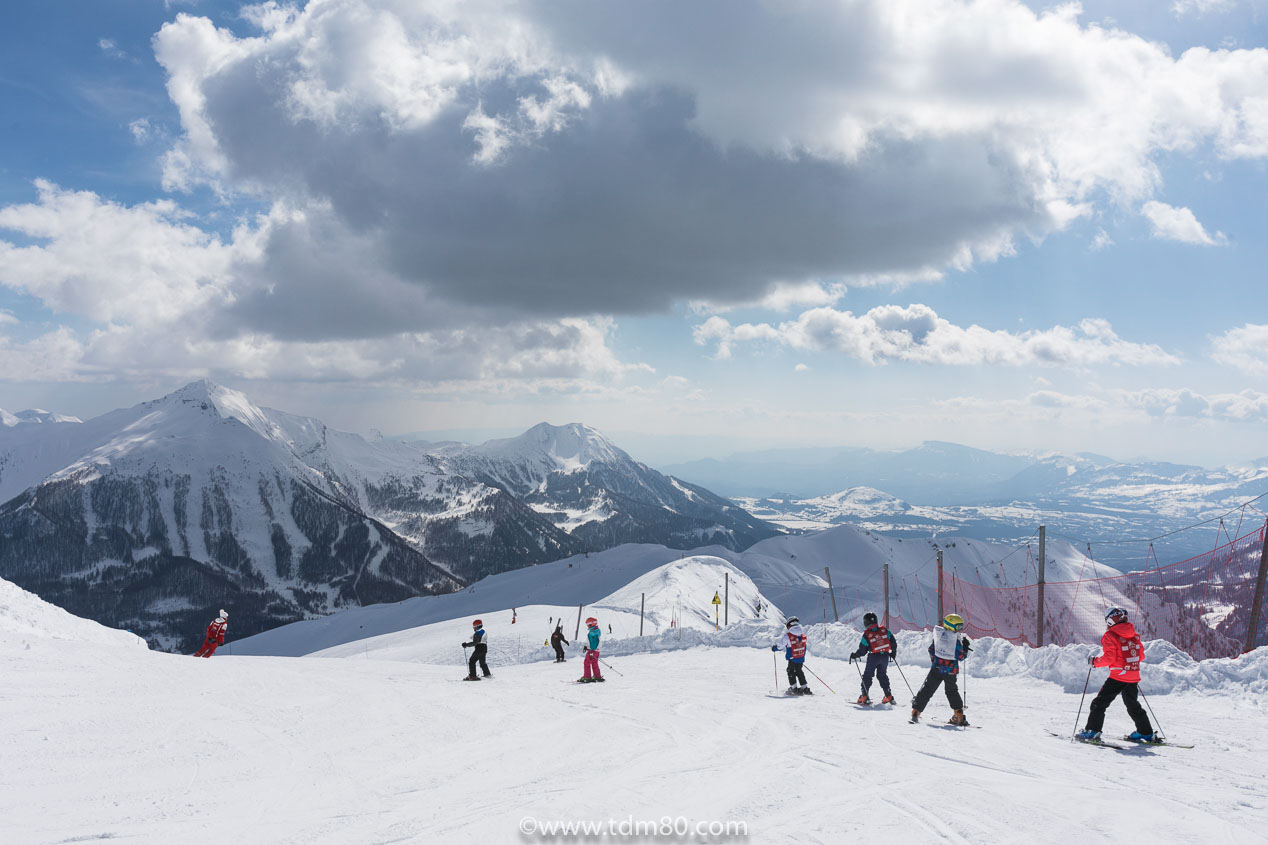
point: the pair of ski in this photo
(1131, 744)
(944, 725)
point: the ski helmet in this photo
(869, 619)
(224, 614)
(953, 622)
(1115, 615)
(591, 622)
(792, 620)
(477, 624)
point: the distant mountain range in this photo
(150, 518)
(945, 488)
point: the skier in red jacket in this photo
(1123, 653)
(215, 635)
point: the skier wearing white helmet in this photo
(215, 635)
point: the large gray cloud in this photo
(578, 158)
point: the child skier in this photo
(592, 652)
(557, 640)
(1123, 653)
(879, 645)
(481, 642)
(215, 635)
(946, 651)
(794, 644)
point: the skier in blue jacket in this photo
(946, 651)
(592, 652)
(879, 645)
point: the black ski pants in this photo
(477, 656)
(795, 674)
(878, 665)
(931, 684)
(559, 650)
(1110, 690)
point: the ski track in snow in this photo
(105, 742)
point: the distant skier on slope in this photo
(1123, 653)
(557, 640)
(879, 645)
(793, 642)
(215, 635)
(946, 651)
(592, 652)
(480, 641)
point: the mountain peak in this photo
(224, 402)
(569, 446)
(34, 415)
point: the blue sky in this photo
(697, 227)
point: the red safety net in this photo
(1202, 605)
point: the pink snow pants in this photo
(592, 662)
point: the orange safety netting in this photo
(1202, 605)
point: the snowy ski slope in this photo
(103, 740)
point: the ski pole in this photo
(609, 665)
(775, 665)
(1157, 724)
(820, 680)
(1080, 713)
(903, 676)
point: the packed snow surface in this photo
(103, 741)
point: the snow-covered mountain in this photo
(147, 517)
(33, 415)
(153, 516)
(585, 485)
(1084, 496)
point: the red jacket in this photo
(216, 631)
(1123, 653)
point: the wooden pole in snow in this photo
(726, 600)
(1253, 631)
(1043, 540)
(577, 633)
(941, 614)
(642, 603)
(828, 575)
(885, 588)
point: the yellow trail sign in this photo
(716, 600)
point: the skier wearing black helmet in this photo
(1123, 653)
(794, 644)
(879, 645)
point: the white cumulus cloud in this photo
(1178, 224)
(1245, 348)
(916, 334)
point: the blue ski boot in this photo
(1088, 736)
(1137, 736)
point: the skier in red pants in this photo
(215, 635)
